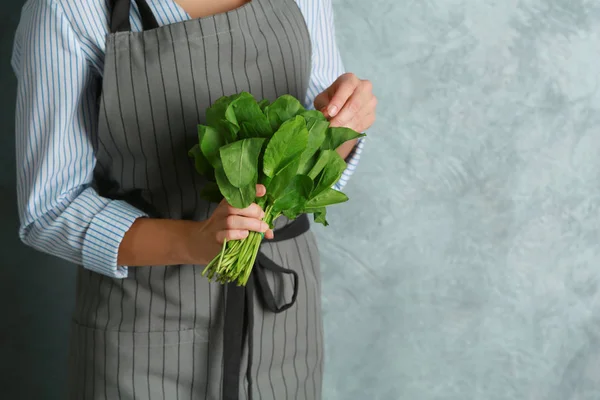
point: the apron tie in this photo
(239, 310)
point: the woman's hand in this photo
(156, 241)
(348, 102)
(228, 223)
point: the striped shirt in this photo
(58, 58)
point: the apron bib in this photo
(165, 332)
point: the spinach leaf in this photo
(279, 183)
(326, 198)
(236, 197)
(263, 104)
(211, 192)
(295, 196)
(255, 129)
(219, 110)
(283, 109)
(316, 136)
(335, 137)
(313, 114)
(240, 161)
(285, 145)
(325, 156)
(331, 173)
(222, 118)
(200, 162)
(250, 118)
(210, 143)
(309, 164)
(291, 214)
(320, 216)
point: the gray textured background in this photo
(467, 264)
(36, 291)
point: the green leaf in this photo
(236, 197)
(211, 192)
(308, 164)
(229, 131)
(316, 136)
(263, 104)
(218, 109)
(283, 109)
(313, 114)
(320, 216)
(291, 214)
(200, 162)
(280, 182)
(221, 117)
(240, 161)
(337, 136)
(326, 198)
(331, 173)
(295, 195)
(325, 156)
(255, 129)
(285, 145)
(248, 115)
(210, 142)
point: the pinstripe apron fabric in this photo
(158, 334)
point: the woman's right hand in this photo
(228, 223)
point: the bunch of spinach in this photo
(290, 150)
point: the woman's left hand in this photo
(349, 102)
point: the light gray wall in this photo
(467, 264)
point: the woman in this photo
(110, 94)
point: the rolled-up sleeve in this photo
(327, 65)
(59, 210)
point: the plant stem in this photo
(237, 257)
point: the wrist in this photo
(161, 242)
(193, 246)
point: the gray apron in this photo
(160, 333)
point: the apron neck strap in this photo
(120, 10)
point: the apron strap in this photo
(119, 21)
(239, 310)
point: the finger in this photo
(360, 122)
(237, 222)
(366, 122)
(269, 234)
(366, 116)
(346, 85)
(322, 100)
(231, 234)
(359, 100)
(252, 211)
(261, 190)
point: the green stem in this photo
(250, 251)
(237, 257)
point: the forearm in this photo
(159, 242)
(347, 148)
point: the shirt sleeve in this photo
(56, 115)
(327, 65)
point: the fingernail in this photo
(332, 110)
(262, 215)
